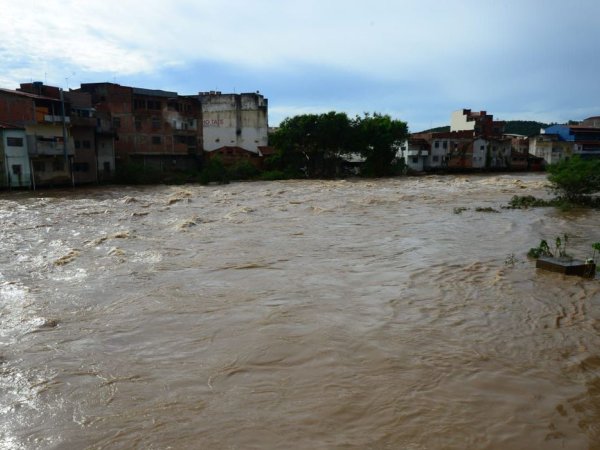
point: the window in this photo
(436, 158)
(482, 147)
(154, 104)
(16, 169)
(436, 144)
(14, 142)
(39, 166)
(415, 159)
(116, 122)
(138, 123)
(155, 123)
(81, 167)
(58, 165)
(106, 167)
(77, 145)
(156, 140)
(445, 144)
(139, 104)
(86, 144)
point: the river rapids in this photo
(357, 314)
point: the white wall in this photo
(15, 157)
(239, 120)
(458, 122)
(439, 153)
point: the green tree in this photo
(575, 179)
(377, 138)
(312, 141)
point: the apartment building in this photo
(155, 128)
(44, 116)
(558, 142)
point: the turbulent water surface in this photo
(300, 314)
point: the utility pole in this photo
(64, 135)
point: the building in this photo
(15, 171)
(480, 123)
(44, 115)
(549, 147)
(83, 131)
(591, 122)
(415, 152)
(558, 142)
(475, 141)
(154, 128)
(234, 120)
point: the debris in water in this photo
(192, 222)
(116, 251)
(66, 259)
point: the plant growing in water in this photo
(543, 249)
(596, 248)
(561, 246)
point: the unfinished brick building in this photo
(155, 128)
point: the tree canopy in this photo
(316, 143)
(378, 138)
(575, 178)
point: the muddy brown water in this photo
(297, 314)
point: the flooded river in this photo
(297, 314)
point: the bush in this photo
(575, 179)
(135, 173)
(214, 172)
(243, 170)
(272, 175)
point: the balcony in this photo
(56, 119)
(105, 128)
(87, 122)
(40, 147)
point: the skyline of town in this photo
(413, 60)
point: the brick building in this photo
(155, 128)
(39, 110)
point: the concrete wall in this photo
(458, 121)
(234, 120)
(15, 160)
(480, 147)
(439, 153)
(106, 156)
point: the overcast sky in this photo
(417, 60)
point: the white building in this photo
(234, 120)
(14, 165)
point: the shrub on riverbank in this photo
(135, 173)
(214, 172)
(576, 179)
